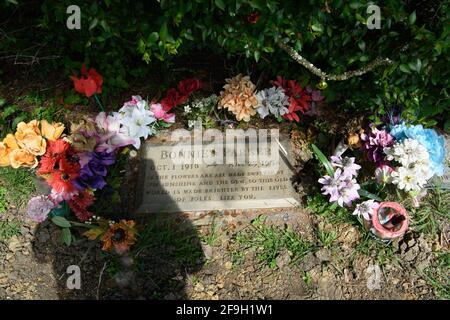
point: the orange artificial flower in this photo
(4, 155)
(29, 137)
(119, 236)
(239, 97)
(9, 144)
(22, 158)
(52, 131)
(11, 141)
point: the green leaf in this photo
(317, 28)
(152, 37)
(104, 25)
(412, 18)
(257, 55)
(73, 99)
(9, 110)
(364, 193)
(355, 5)
(220, 4)
(404, 68)
(60, 211)
(323, 159)
(362, 45)
(416, 66)
(66, 236)
(61, 222)
(164, 32)
(447, 126)
(18, 119)
(93, 24)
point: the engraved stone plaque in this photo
(165, 186)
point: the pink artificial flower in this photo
(161, 114)
(416, 200)
(133, 102)
(111, 137)
(383, 174)
(58, 197)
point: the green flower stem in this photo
(84, 225)
(98, 102)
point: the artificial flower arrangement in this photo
(285, 99)
(75, 164)
(399, 161)
(200, 110)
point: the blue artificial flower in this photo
(434, 143)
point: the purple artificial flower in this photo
(393, 114)
(317, 101)
(39, 207)
(331, 184)
(375, 142)
(94, 169)
(348, 165)
(366, 208)
(348, 191)
(341, 188)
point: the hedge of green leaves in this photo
(132, 37)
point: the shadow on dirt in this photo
(157, 267)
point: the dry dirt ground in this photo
(215, 262)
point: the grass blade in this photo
(364, 193)
(323, 159)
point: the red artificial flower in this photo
(55, 151)
(253, 17)
(64, 172)
(79, 204)
(62, 181)
(299, 99)
(292, 115)
(89, 83)
(69, 164)
(188, 86)
(172, 99)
